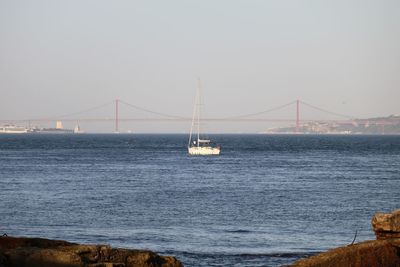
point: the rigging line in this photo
(152, 112)
(329, 112)
(261, 112)
(75, 113)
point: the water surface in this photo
(265, 201)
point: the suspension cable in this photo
(76, 113)
(261, 112)
(152, 112)
(328, 112)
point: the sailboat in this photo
(77, 129)
(196, 145)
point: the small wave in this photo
(287, 254)
(239, 231)
(208, 259)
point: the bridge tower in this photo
(297, 115)
(116, 116)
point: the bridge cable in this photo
(329, 112)
(82, 111)
(261, 112)
(152, 112)
(74, 113)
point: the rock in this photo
(386, 225)
(383, 252)
(38, 252)
(376, 253)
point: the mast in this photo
(193, 118)
(198, 111)
(116, 116)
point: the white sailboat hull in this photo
(195, 150)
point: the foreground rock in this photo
(384, 252)
(376, 253)
(386, 225)
(38, 252)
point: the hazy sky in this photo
(59, 57)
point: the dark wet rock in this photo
(38, 252)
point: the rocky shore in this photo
(383, 252)
(38, 252)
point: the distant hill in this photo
(378, 125)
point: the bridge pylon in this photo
(297, 115)
(116, 116)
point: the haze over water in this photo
(265, 201)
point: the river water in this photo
(267, 200)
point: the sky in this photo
(61, 57)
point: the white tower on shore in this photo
(59, 125)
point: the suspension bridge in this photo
(156, 116)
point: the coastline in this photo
(382, 252)
(40, 252)
(32, 252)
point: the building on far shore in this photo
(58, 130)
(13, 129)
